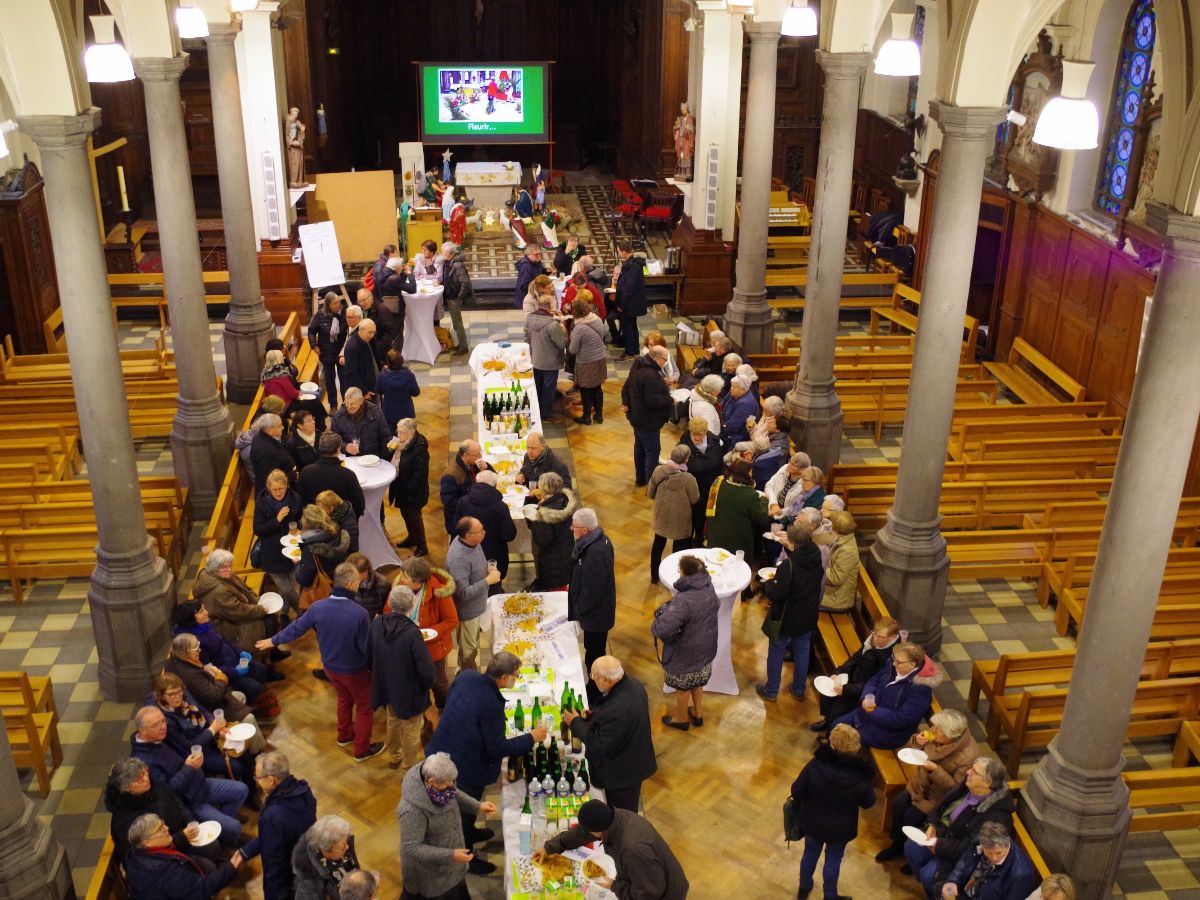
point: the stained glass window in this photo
(1117, 187)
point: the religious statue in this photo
(294, 132)
(446, 154)
(685, 143)
(458, 223)
(539, 187)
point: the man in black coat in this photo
(528, 267)
(289, 809)
(402, 675)
(705, 464)
(620, 751)
(361, 426)
(631, 296)
(267, 452)
(328, 474)
(540, 459)
(409, 492)
(457, 480)
(795, 595)
(484, 502)
(379, 270)
(592, 593)
(154, 868)
(360, 369)
(646, 402)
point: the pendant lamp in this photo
(106, 60)
(900, 54)
(800, 20)
(1070, 121)
(190, 21)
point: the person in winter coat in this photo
(130, 793)
(471, 730)
(402, 675)
(896, 699)
(302, 438)
(538, 460)
(244, 673)
(206, 686)
(434, 853)
(550, 536)
(841, 577)
(397, 387)
(276, 378)
(687, 626)
(341, 514)
(567, 254)
(328, 474)
(786, 485)
(327, 334)
(289, 810)
(155, 870)
(646, 867)
(997, 868)
(361, 426)
(955, 822)
(373, 588)
(360, 369)
(457, 480)
(812, 493)
(591, 360)
(795, 596)
(528, 268)
(592, 591)
(323, 545)
(702, 402)
(768, 457)
(485, 503)
(456, 290)
(858, 669)
(620, 750)
(267, 452)
(736, 512)
(276, 508)
(547, 339)
(951, 751)
(646, 402)
(231, 604)
(630, 298)
(322, 858)
(473, 578)
(706, 463)
(739, 408)
(388, 327)
(433, 593)
(674, 491)
(409, 490)
(829, 792)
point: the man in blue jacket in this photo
(994, 869)
(471, 730)
(154, 868)
(341, 625)
(528, 267)
(631, 296)
(288, 811)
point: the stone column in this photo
(812, 402)
(908, 559)
(248, 326)
(1076, 805)
(32, 863)
(202, 436)
(748, 318)
(132, 589)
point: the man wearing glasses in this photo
(473, 575)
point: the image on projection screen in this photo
(481, 95)
(484, 102)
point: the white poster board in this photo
(322, 259)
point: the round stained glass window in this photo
(1137, 69)
(1143, 34)
(1124, 145)
(1117, 184)
(1130, 106)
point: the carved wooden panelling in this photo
(1114, 355)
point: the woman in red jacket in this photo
(434, 590)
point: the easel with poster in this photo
(322, 261)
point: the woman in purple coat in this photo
(687, 626)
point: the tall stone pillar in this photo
(32, 863)
(812, 402)
(1076, 805)
(248, 326)
(202, 435)
(748, 318)
(132, 589)
(908, 559)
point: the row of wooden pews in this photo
(31, 724)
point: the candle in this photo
(121, 182)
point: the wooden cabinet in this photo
(28, 281)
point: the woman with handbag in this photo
(828, 794)
(687, 626)
(795, 597)
(275, 508)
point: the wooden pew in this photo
(886, 401)
(990, 411)
(27, 367)
(797, 277)
(1091, 512)
(902, 314)
(1076, 569)
(1166, 790)
(844, 474)
(1179, 591)
(31, 735)
(1101, 448)
(1032, 376)
(791, 344)
(108, 878)
(966, 437)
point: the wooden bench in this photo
(1187, 745)
(885, 402)
(108, 878)
(966, 437)
(1102, 449)
(1076, 569)
(34, 693)
(1179, 590)
(1030, 375)
(991, 411)
(843, 474)
(902, 314)
(797, 277)
(30, 736)
(1165, 790)
(791, 344)
(56, 366)
(1092, 512)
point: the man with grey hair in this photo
(154, 868)
(592, 592)
(361, 425)
(456, 290)
(646, 402)
(457, 480)
(994, 867)
(471, 729)
(341, 625)
(267, 452)
(547, 339)
(402, 674)
(740, 405)
(538, 460)
(289, 808)
(358, 885)
(360, 368)
(473, 579)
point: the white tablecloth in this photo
(373, 540)
(517, 353)
(420, 341)
(731, 579)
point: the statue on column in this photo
(294, 133)
(685, 143)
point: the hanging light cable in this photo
(800, 20)
(1070, 121)
(106, 60)
(190, 21)
(899, 54)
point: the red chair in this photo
(660, 218)
(621, 191)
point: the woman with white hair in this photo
(739, 407)
(702, 401)
(322, 858)
(434, 855)
(277, 378)
(232, 604)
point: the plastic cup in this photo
(869, 702)
(492, 565)
(219, 715)
(293, 528)
(741, 555)
(776, 527)
(197, 750)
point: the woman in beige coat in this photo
(674, 490)
(232, 605)
(841, 576)
(952, 751)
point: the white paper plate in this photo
(772, 536)
(242, 731)
(824, 685)
(308, 395)
(916, 835)
(718, 556)
(309, 387)
(913, 756)
(429, 633)
(766, 573)
(369, 460)
(292, 553)
(604, 861)
(290, 540)
(271, 602)
(209, 832)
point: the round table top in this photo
(729, 577)
(372, 476)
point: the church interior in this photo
(958, 239)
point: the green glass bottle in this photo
(519, 717)
(537, 712)
(527, 810)
(583, 775)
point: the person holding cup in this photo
(895, 699)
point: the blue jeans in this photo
(775, 649)
(923, 863)
(646, 449)
(545, 382)
(225, 798)
(831, 869)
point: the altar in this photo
(488, 184)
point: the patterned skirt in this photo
(591, 374)
(689, 680)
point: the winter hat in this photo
(595, 816)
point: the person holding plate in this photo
(795, 596)
(154, 869)
(402, 674)
(276, 508)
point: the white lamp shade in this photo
(799, 21)
(243, 5)
(3, 144)
(190, 21)
(1070, 121)
(899, 55)
(106, 60)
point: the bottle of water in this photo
(535, 796)
(563, 788)
(548, 786)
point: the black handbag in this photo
(791, 820)
(256, 554)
